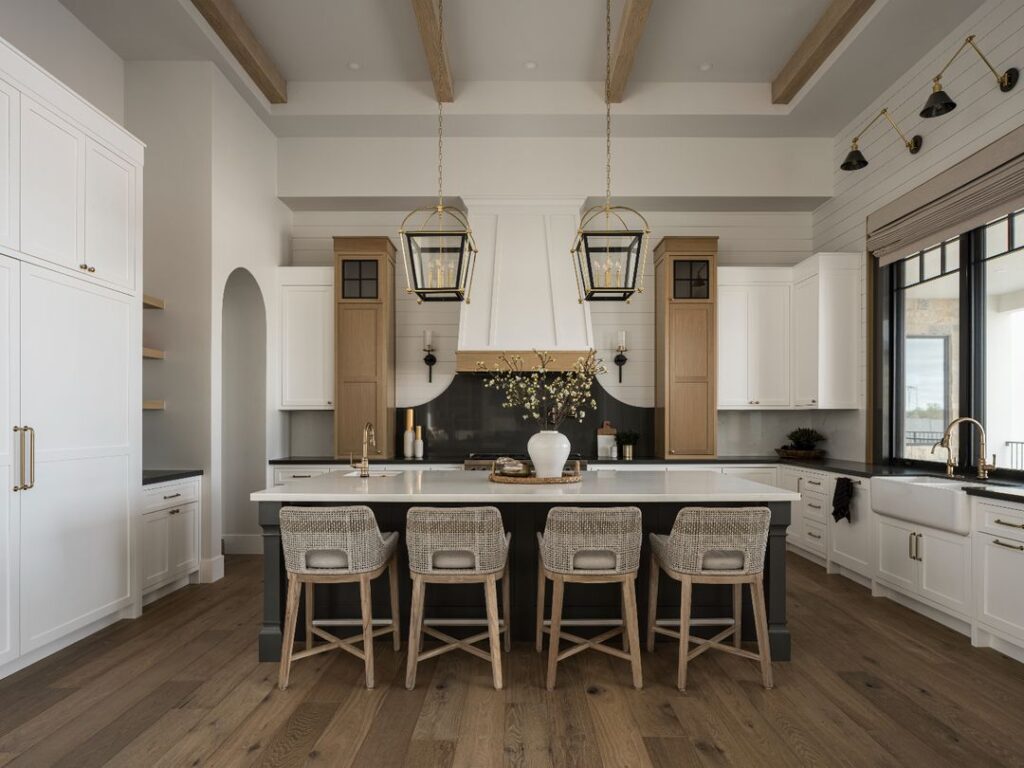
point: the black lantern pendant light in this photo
(855, 159)
(610, 250)
(939, 103)
(438, 250)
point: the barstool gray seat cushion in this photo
(713, 560)
(454, 559)
(338, 558)
(594, 560)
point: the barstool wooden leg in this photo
(291, 617)
(541, 579)
(652, 601)
(632, 630)
(737, 614)
(625, 623)
(366, 608)
(761, 628)
(685, 599)
(506, 613)
(493, 631)
(415, 629)
(309, 615)
(395, 613)
(557, 591)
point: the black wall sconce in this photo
(855, 159)
(620, 358)
(939, 103)
(430, 359)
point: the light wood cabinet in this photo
(685, 337)
(307, 337)
(364, 343)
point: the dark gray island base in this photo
(524, 520)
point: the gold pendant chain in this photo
(608, 104)
(440, 114)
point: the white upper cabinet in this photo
(110, 225)
(827, 328)
(753, 329)
(10, 129)
(52, 186)
(307, 338)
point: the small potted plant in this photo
(803, 444)
(627, 444)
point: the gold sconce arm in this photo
(1006, 80)
(912, 144)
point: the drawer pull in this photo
(1018, 547)
(814, 535)
(295, 475)
(1008, 524)
(813, 482)
(814, 506)
(174, 512)
(172, 496)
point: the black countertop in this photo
(152, 476)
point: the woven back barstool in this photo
(336, 545)
(713, 545)
(457, 545)
(596, 546)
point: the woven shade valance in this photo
(978, 189)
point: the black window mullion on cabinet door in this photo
(972, 246)
(976, 362)
(886, 402)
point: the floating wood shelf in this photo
(151, 302)
(153, 405)
(153, 354)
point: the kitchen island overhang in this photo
(658, 493)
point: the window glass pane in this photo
(911, 271)
(931, 340)
(952, 254)
(682, 270)
(369, 289)
(370, 269)
(1018, 230)
(350, 289)
(350, 269)
(932, 263)
(997, 238)
(1004, 363)
(682, 289)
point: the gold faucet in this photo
(369, 438)
(983, 466)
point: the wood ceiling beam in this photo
(631, 29)
(834, 25)
(230, 26)
(437, 55)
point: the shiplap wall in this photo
(758, 238)
(983, 114)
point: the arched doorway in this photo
(243, 410)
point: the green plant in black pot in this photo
(803, 442)
(627, 444)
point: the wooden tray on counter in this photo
(531, 480)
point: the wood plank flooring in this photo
(871, 684)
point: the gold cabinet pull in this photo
(1007, 523)
(1018, 547)
(174, 512)
(917, 547)
(910, 547)
(813, 482)
(31, 459)
(814, 506)
(21, 460)
(172, 496)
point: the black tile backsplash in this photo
(468, 418)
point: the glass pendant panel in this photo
(610, 263)
(438, 263)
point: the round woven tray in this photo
(511, 480)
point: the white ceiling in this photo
(745, 41)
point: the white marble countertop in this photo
(418, 486)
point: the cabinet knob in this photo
(91, 269)
(757, 402)
(813, 400)
(83, 266)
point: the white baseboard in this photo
(955, 623)
(166, 589)
(211, 569)
(50, 648)
(983, 637)
(243, 544)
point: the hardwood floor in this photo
(871, 684)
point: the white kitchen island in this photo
(658, 494)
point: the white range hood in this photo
(524, 294)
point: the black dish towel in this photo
(841, 499)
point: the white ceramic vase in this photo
(549, 450)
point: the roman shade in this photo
(978, 189)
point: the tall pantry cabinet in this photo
(70, 365)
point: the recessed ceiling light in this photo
(530, 64)
(705, 67)
(355, 66)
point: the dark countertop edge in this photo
(991, 493)
(154, 476)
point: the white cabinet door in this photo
(307, 346)
(184, 544)
(894, 545)
(52, 186)
(156, 561)
(75, 374)
(109, 217)
(9, 462)
(945, 561)
(999, 572)
(850, 540)
(805, 341)
(10, 128)
(790, 480)
(768, 333)
(733, 314)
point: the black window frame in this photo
(887, 363)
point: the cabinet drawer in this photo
(1000, 571)
(1005, 522)
(282, 476)
(166, 496)
(813, 537)
(812, 483)
(814, 506)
